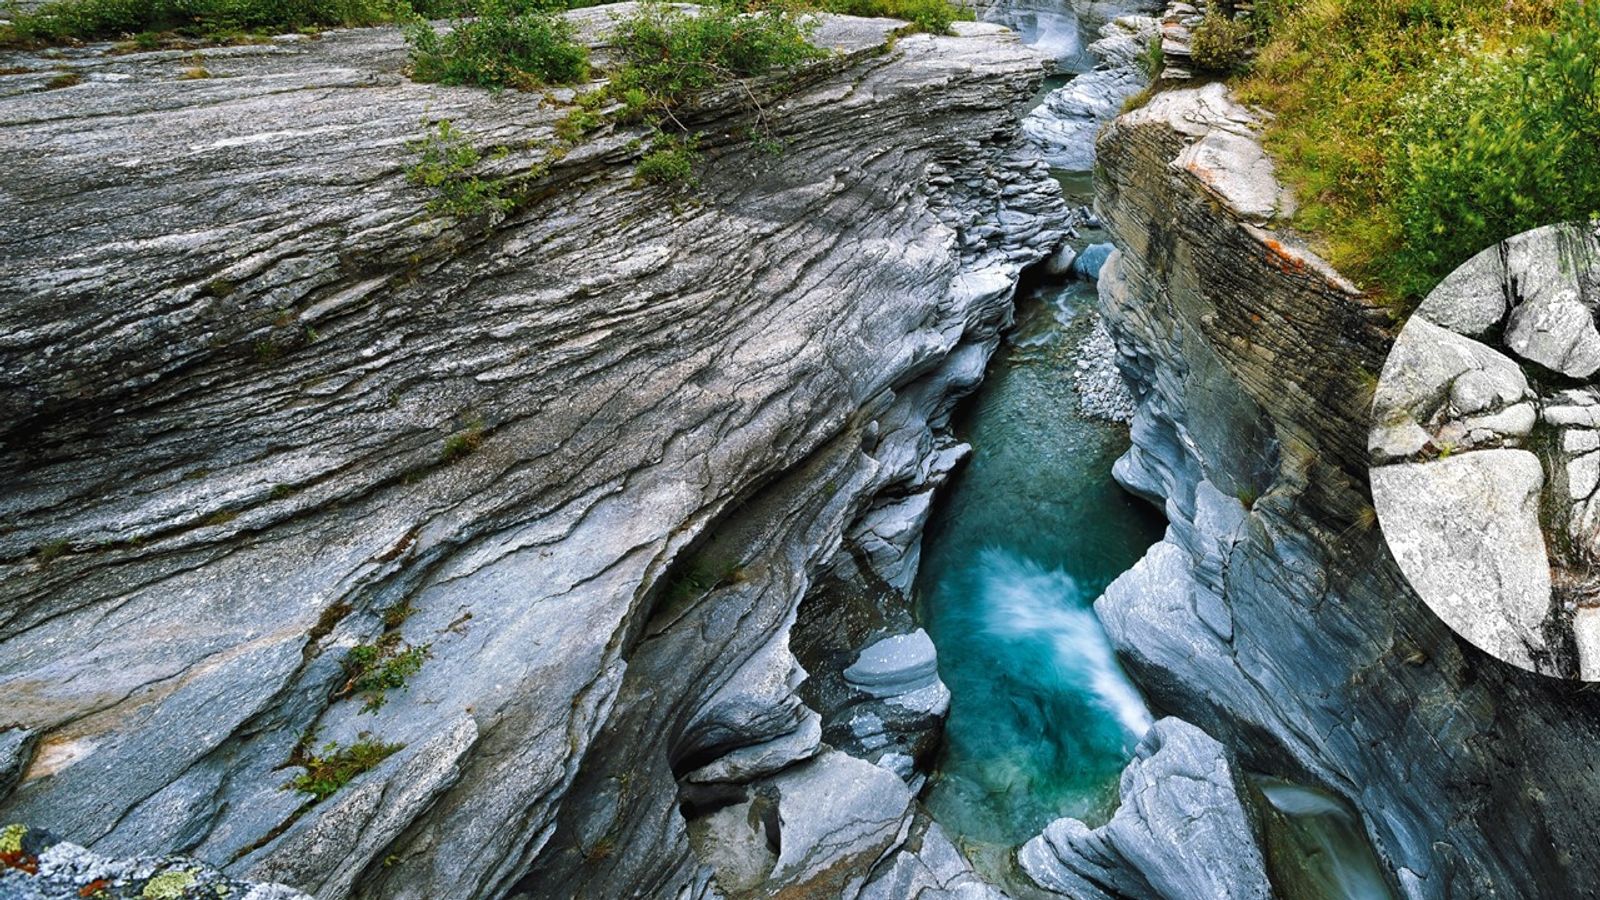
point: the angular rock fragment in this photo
(1557, 332)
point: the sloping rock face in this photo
(260, 407)
(1272, 614)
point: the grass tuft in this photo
(334, 766)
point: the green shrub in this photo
(669, 162)
(1220, 43)
(334, 766)
(1494, 143)
(508, 44)
(372, 670)
(931, 16)
(1417, 133)
(667, 53)
(90, 19)
(446, 168)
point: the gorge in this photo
(743, 539)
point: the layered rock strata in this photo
(261, 408)
(1272, 614)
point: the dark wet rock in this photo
(1272, 615)
(1091, 260)
(1182, 830)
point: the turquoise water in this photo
(1042, 720)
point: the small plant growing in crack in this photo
(372, 670)
(446, 168)
(335, 765)
(462, 443)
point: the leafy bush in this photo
(1220, 43)
(1417, 132)
(931, 16)
(670, 161)
(668, 53)
(89, 19)
(508, 44)
(446, 168)
(1494, 145)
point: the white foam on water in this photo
(1025, 601)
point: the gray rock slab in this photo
(1466, 532)
(899, 664)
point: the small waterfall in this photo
(1026, 604)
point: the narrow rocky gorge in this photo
(640, 475)
(1272, 615)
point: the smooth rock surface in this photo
(895, 665)
(1465, 530)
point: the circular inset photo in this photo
(1485, 451)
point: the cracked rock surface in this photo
(259, 407)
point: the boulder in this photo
(1466, 532)
(1557, 332)
(1442, 387)
(1183, 830)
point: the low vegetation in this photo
(505, 43)
(670, 161)
(372, 670)
(334, 766)
(668, 54)
(1417, 132)
(462, 444)
(447, 166)
(1220, 43)
(931, 16)
(65, 20)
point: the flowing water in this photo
(1321, 850)
(1042, 718)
